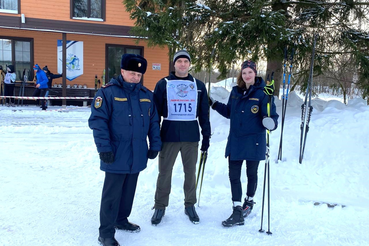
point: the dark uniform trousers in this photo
(235, 178)
(167, 158)
(116, 201)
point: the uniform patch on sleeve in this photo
(98, 102)
(120, 99)
(255, 109)
(145, 100)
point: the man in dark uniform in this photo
(182, 101)
(123, 115)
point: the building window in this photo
(17, 52)
(9, 6)
(88, 9)
(114, 56)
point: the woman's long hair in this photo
(240, 82)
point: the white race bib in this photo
(182, 100)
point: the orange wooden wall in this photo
(45, 53)
(60, 10)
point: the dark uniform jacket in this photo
(246, 110)
(183, 131)
(122, 117)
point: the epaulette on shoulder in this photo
(143, 88)
(107, 85)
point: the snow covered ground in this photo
(50, 182)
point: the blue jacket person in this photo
(247, 111)
(123, 116)
(41, 85)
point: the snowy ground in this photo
(50, 182)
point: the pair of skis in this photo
(286, 89)
(306, 108)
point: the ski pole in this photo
(269, 91)
(306, 106)
(284, 106)
(288, 81)
(283, 101)
(203, 157)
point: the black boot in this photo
(192, 215)
(247, 207)
(108, 241)
(128, 227)
(157, 216)
(235, 219)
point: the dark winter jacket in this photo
(50, 77)
(123, 115)
(246, 109)
(183, 131)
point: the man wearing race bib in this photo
(182, 101)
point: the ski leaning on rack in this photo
(285, 94)
(269, 90)
(306, 107)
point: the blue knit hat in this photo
(36, 67)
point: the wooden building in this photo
(30, 31)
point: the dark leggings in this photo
(235, 178)
(41, 93)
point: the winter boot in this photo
(157, 216)
(235, 219)
(192, 215)
(108, 241)
(247, 207)
(128, 226)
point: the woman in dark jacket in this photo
(247, 111)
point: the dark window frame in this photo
(32, 50)
(103, 10)
(141, 48)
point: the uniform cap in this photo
(133, 62)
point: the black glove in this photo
(212, 102)
(205, 143)
(151, 154)
(107, 157)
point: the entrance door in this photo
(113, 58)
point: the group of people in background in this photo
(124, 114)
(43, 79)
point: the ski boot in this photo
(247, 207)
(157, 216)
(235, 219)
(192, 215)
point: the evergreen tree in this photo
(221, 32)
(170, 23)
